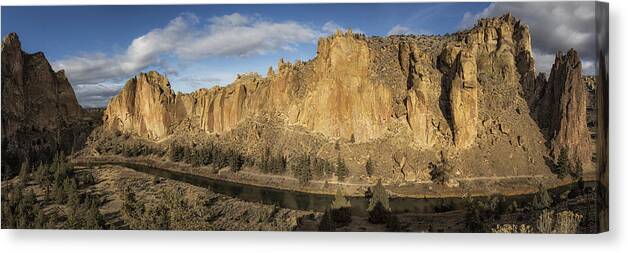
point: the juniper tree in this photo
(24, 173)
(542, 199)
(70, 189)
(369, 167)
(340, 209)
(577, 170)
(301, 168)
(379, 208)
(564, 165)
(341, 169)
(379, 195)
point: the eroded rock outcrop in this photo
(416, 65)
(475, 93)
(39, 108)
(562, 108)
(464, 98)
(332, 95)
(145, 106)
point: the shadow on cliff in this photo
(443, 100)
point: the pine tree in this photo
(24, 173)
(41, 175)
(301, 169)
(340, 209)
(379, 195)
(235, 160)
(70, 189)
(340, 201)
(439, 173)
(176, 152)
(59, 194)
(341, 169)
(542, 199)
(40, 218)
(370, 166)
(564, 166)
(577, 171)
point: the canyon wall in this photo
(39, 108)
(469, 91)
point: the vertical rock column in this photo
(561, 108)
(568, 121)
(463, 97)
(413, 62)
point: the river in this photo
(313, 201)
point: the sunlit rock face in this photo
(145, 106)
(471, 92)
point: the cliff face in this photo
(145, 106)
(561, 108)
(331, 95)
(474, 93)
(38, 104)
(32, 93)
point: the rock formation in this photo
(463, 98)
(562, 108)
(474, 93)
(145, 106)
(38, 106)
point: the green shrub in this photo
(236, 160)
(512, 228)
(439, 172)
(176, 153)
(565, 222)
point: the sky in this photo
(195, 46)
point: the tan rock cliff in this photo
(474, 93)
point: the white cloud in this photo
(330, 27)
(404, 30)
(197, 82)
(96, 95)
(230, 35)
(400, 30)
(555, 26)
(184, 39)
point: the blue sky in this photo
(100, 47)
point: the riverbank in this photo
(436, 215)
(469, 187)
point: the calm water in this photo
(310, 201)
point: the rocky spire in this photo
(38, 105)
(562, 108)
